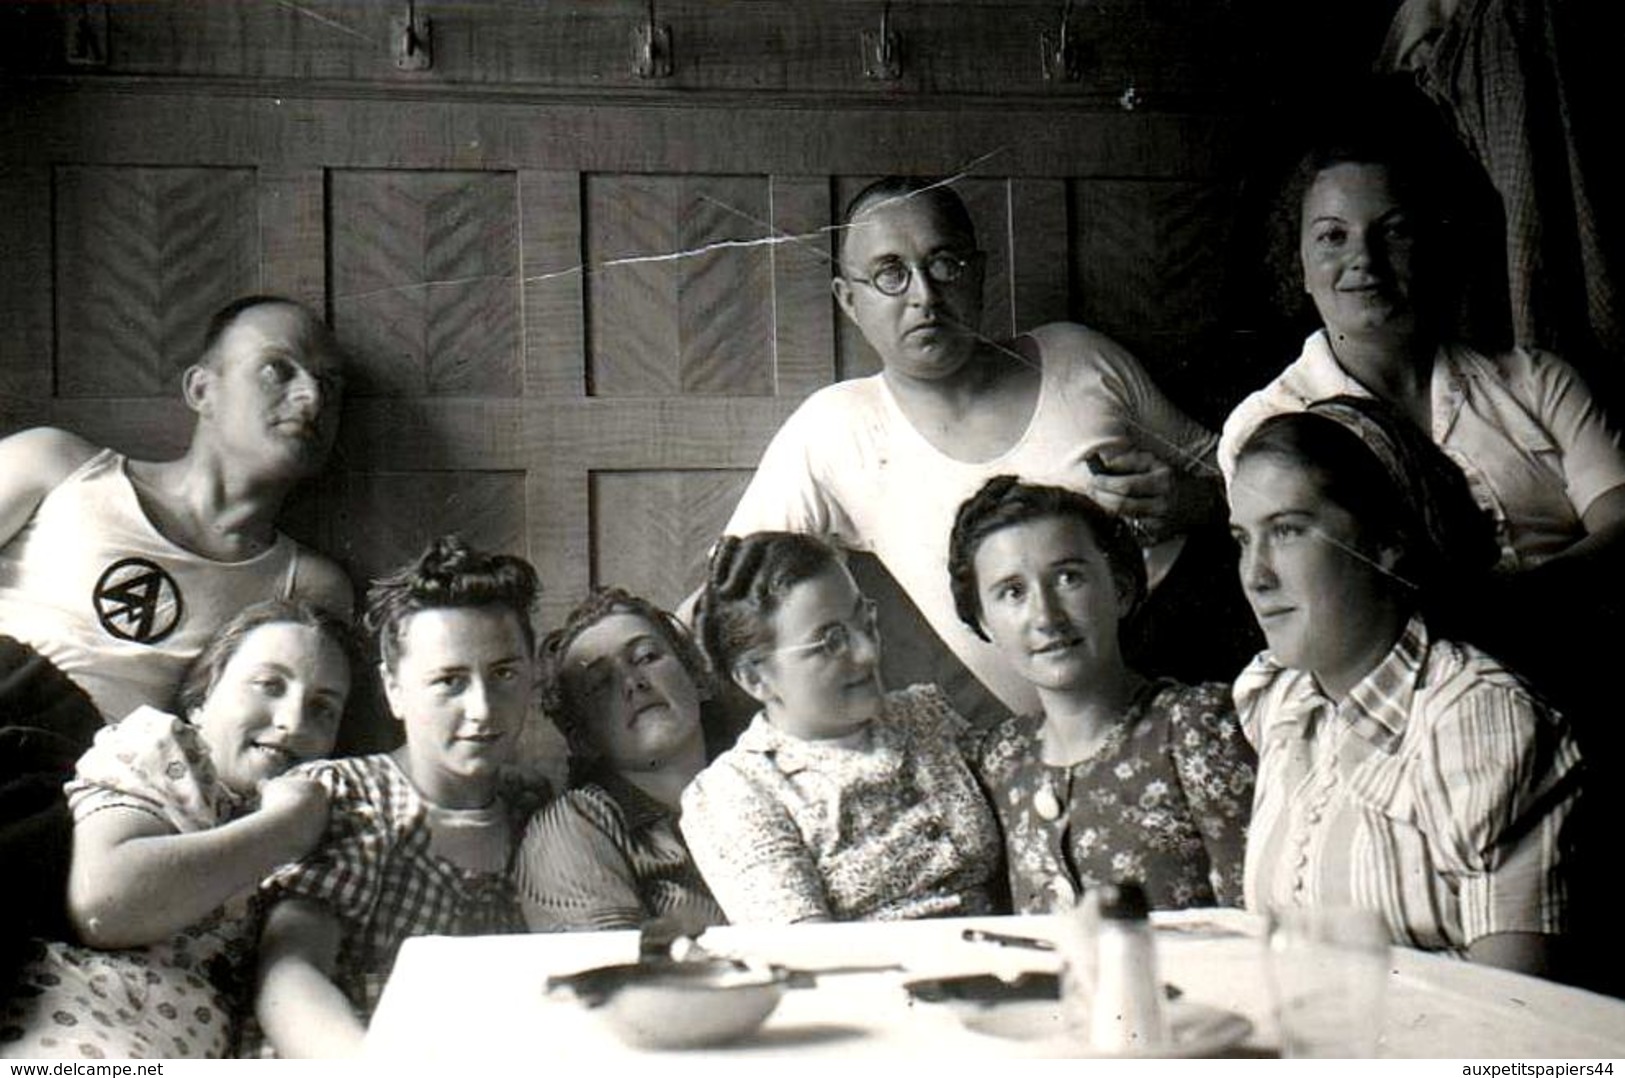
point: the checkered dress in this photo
(374, 871)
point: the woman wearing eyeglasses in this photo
(880, 463)
(841, 801)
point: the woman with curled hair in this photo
(176, 818)
(623, 681)
(1400, 770)
(1368, 238)
(1117, 776)
(841, 801)
(421, 839)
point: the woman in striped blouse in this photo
(623, 681)
(1399, 770)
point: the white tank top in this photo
(92, 585)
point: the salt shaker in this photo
(1125, 1013)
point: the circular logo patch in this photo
(136, 600)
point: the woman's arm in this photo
(1217, 770)
(1497, 789)
(135, 881)
(1520, 952)
(301, 1009)
(1604, 521)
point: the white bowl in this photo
(673, 1005)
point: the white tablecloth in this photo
(467, 1000)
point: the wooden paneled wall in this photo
(581, 303)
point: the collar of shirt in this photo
(791, 754)
(1376, 710)
(1463, 378)
(1322, 377)
(1319, 376)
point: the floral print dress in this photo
(1164, 799)
(177, 999)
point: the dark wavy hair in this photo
(1005, 501)
(203, 673)
(941, 196)
(1400, 487)
(746, 582)
(449, 574)
(603, 602)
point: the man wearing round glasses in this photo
(880, 464)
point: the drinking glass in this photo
(1328, 970)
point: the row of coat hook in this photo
(1061, 52)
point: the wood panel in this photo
(1040, 277)
(1149, 261)
(583, 531)
(373, 522)
(626, 218)
(1173, 49)
(652, 530)
(804, 310)
(26, 299)
(136, 121)
(725, 289)
(144, 256)
(293, 234)
(425, 289)
(600, 419)
(552, 260)
(679, 285)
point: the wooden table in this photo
(464, 1001)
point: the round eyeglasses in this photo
(891, 276)
(836, 641)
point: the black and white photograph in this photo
(704, 533)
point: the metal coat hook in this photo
(85, 42)
(882, 50)
(1061, 54)
(651, 48)
(414, 39)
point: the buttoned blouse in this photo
(1522, 426)
(891, 825)
(1438, 793)
(1163, 800)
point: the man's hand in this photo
(1157, 500)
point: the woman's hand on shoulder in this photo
(299, 804)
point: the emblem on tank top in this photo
(136, 600)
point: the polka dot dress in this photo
(171, 1001)
(174, 999)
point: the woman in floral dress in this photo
(176, 818)
(1118, 777)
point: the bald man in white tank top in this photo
(115, 572)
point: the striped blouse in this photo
(607, 855)
(1438, 793)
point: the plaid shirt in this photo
(1438, 793)
(374, 871)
